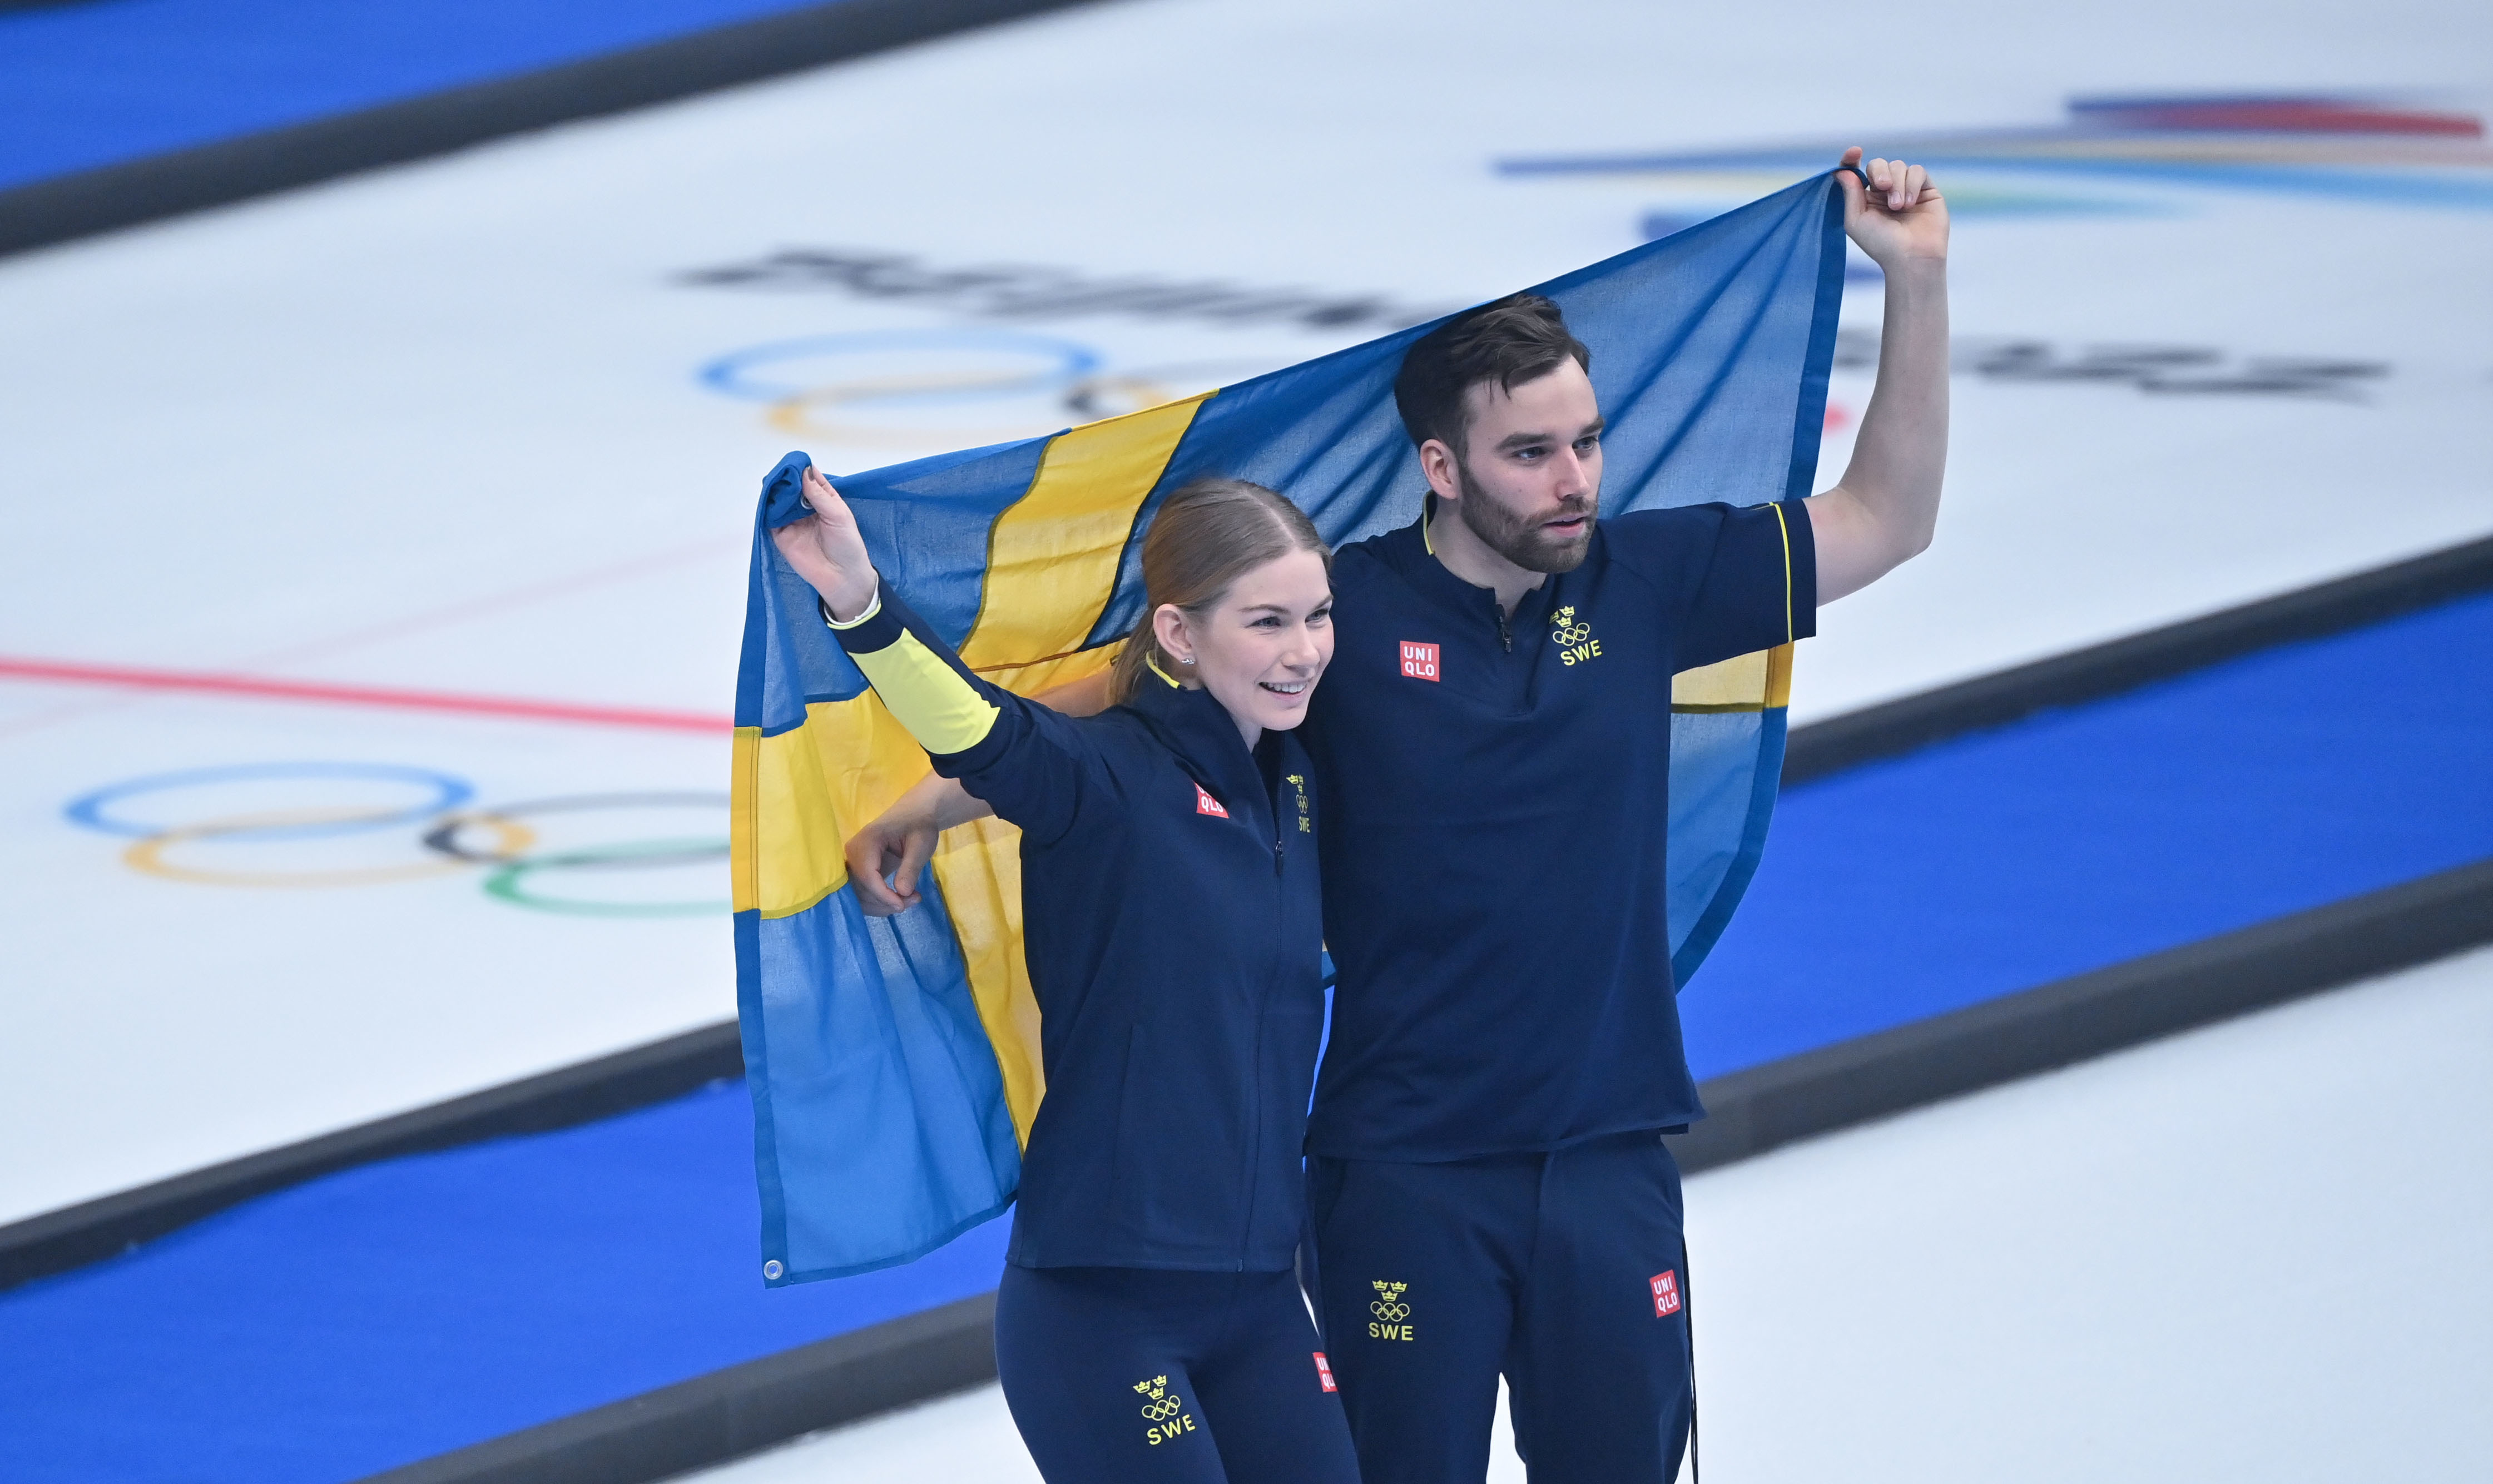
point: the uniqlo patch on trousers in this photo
(1666, 1293)
(1324, 1373)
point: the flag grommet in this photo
(773, 1268)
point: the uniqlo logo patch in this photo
(1206, 803)
(1665, 1294)
(1420, 661)
(1324, 1373)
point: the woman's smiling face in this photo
(1261, 648)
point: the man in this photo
(1488, 1187)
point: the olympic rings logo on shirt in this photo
(451, 836)
(1162, 1410)
(885, 386)
(1388, 1309)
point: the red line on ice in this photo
(138, 677)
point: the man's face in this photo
(1530, 481)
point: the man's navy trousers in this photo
(1565, 1271)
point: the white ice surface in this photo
(439, 426)
(2250, 1252)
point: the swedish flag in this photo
(894, 1063)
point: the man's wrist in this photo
(1917, 269)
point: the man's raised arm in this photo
(885, 857)
(1887, 504)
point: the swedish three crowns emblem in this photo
(1573, 639)
(1299, 785)
(1167, 1414)
(1392, 1319)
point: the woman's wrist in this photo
(850, 601)
(938, 804)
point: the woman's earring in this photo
(1186, 661)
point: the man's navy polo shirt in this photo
(1497, 796)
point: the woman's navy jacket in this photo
(1172, 923)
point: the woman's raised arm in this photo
(1024, 759)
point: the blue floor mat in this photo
(410, 1307)
(405, 1309)
(113, 81)
(1995, 862)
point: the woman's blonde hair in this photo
(1207, 535)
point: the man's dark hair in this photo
(1517, 339)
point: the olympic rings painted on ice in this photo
(448, 792)
(796, 414)
(457, 839)
(1149, 386)
(1058, 379)
(444, 834)
(1058, 361)
(147, 857)
(1003, 364)
(507, 882)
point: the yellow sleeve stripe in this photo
(942, 711)
(1750, 682)
(1791, 624)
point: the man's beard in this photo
(1524, 542)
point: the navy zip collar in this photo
(1204, 738)
(1406, 552)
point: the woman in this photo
(1149, 1324)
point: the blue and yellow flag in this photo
(894, 1063)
